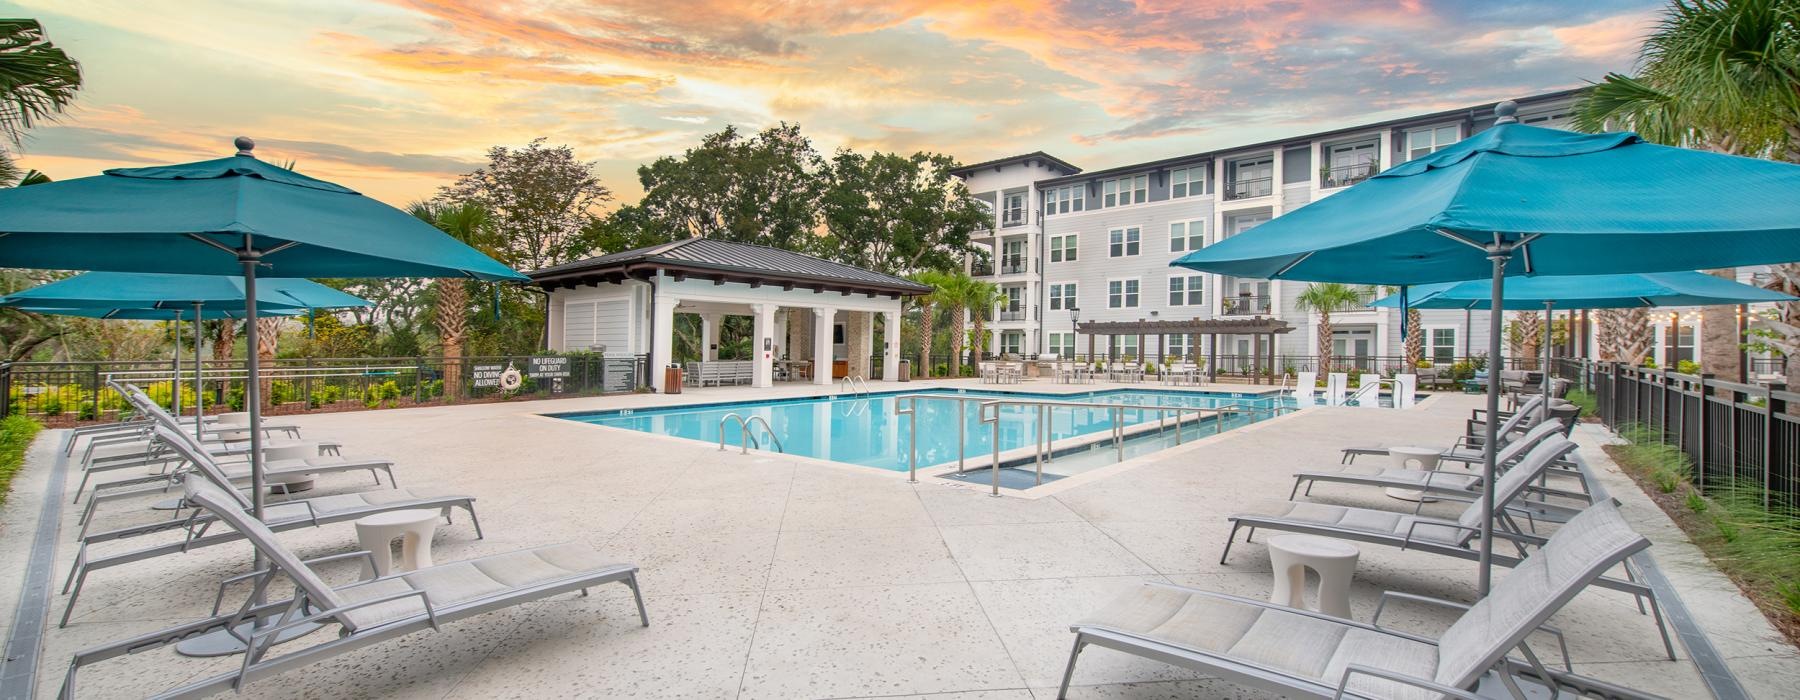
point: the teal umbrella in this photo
(229, 216)
(1584, 292)
(1525, 200)
(156, 296)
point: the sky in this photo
(395, 98)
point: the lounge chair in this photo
(1444, 482)
(366, 612)
(1468, 445)
(1300, 653)
(1452, 538)
(279, 516)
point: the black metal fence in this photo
(64, 392)
(1740, 434)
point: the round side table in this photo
(1426, 459)
(415, 527)
(1333, 560)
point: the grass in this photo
(16, 433)
(1757, 545)
(1590, 406)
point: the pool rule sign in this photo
(549, 367)
(487, 375)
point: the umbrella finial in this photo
(244, 144)
(1506, 112)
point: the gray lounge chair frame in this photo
(1459, 484)
(315, 515)
(362, 612)
(1467, 445)
(1463, 531)
(1366, 661)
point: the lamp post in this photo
(1074, 334)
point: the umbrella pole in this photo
(174, 384)
(252, 388)
(1544, 411)
(1498, 253)
(199, 377)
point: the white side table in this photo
(376, 534)
(1333, 560)
(1404, 458)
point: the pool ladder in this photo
(747, 437)
(850, 386)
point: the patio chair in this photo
(366, 612)
(1300, 653)
(1459, 484)
(1468, 447)
(987, 373)
(1451, 538)
(280, 516)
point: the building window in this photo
(1175, 346)
(1250, 177)
(1187, 182)
(1063, 344)
(1124, 242)
(1125, 190)
(1012, 301)
(1128, 347)
(1065, 199)
(1349, 163)
(1187, 290)
(1240, 223)
(1122, 294)
(1442, 349)
(1187, 235)
(1012, 209)
(1012, 343)
(1424, 142)
(1553, 118)
(1062, 297)
(1062, 248)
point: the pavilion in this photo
(1257, 328)
(807, 310)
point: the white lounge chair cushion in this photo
(470, 580)
(1269, 638)
(1439, 479)
(1378, 522)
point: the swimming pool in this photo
(867, 430)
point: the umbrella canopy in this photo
(1588, 292)
(196, 218)
(118, 292)
(1525, 200)
(165, 314)
(1586, 203)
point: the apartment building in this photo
(1101, 241)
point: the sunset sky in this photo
(395, 98)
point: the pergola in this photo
(1254, 327)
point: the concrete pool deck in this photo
(769, 576)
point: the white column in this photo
(890, 358)
(710, 325)
(763, 346)
(823, 318)
(662, 343)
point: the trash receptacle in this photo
(672, 379)
(906, 370)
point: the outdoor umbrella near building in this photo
(1524, 200)
(157, 296)
(1584, 292)
(229, 216)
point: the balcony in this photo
(1245, 305)
(1014, 267)
(1012, 217)
(1248, 188)
(1346, 175)
(981, 270)
(1005, 316)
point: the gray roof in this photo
(727, 261)
(1053, 161)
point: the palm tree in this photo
(37, 79)
(928, 304)
(981, 298)
(469, 223)
(1325, 299)
(1719, 75)
(955, 288)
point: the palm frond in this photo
(37, 79)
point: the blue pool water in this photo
(867, 430)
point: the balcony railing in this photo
(1252, 187)
(1013, 217)
(1246, 305)
(1347, 175)
(1012, 315)
(981, 270)
(1013, 267)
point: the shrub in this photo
(16, 433)
(328, 394)
(52, 403)
(1687, 367)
